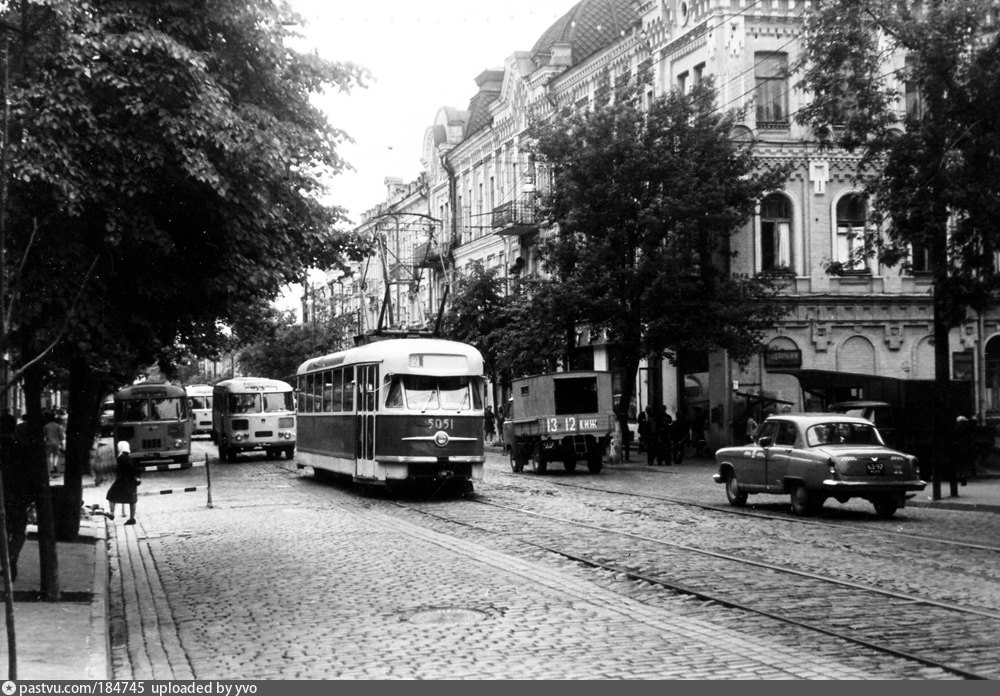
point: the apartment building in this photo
(475, 203)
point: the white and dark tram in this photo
(393, 411)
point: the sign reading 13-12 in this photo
(553, 425)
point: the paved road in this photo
(285, 577)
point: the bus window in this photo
(243, 403)
(131, 410)
(166, 409)
(277, 401)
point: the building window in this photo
(771, 92)
(682, 82)
(699, 72)
(852, 218)
(775, 233)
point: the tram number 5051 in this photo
(439, 423)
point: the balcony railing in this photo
(515, 218)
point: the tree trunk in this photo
(47, 554)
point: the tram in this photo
(253, 413)
(153, 418)
(200, 407)
(394, 411)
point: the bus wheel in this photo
(271, 453)
(290, 452)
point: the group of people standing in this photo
(665, 438)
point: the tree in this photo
(172, 148)
(278, 351)
(645, 202)
(474, 315)
(932, 171)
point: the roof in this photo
(588, 27)
(808, 419)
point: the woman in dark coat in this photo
(125, 488)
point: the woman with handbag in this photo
(125, 487)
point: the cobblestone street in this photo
(285, 577)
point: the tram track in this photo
(811, 521)
(957, 640)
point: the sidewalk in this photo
(66, 639)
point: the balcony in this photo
(515, 218)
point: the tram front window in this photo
(434, 393)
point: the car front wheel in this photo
(736, 496)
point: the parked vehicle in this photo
(107, 416)
(563, 416)
(814, 456)
(200, 407)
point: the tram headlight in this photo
(441, 438)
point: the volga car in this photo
(814, 456)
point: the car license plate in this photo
(874, 467)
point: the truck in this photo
(565, 417)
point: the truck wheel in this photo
(538, 463)
(515, 466)
(570, 465)
(594, 465)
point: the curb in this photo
(99, 666)
(945, 505)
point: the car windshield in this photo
(842, 433)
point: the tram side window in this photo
(337, 377)
(316, 391)
(328, 391)
(305, 398)
(349, 389)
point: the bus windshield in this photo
(422, 393)
(200, 402)
(156, 409)
(275, 402)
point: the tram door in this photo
(367, 378)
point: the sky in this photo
(423, 54)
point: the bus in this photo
(153, 418)
(199, 398)
(252, 414)
(394, 411)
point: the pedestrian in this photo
(963, 449)
(125, 487)
(17, 492)
(681, 434)
(642, 428)
(490, 425)
(54, 436)
(698, 425)
(751, 428)
(665, 425)
(500, 418)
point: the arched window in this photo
(852, 218)
(775, 233)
